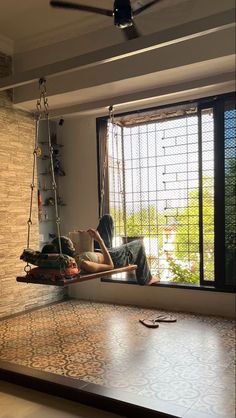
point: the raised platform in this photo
(114, 400)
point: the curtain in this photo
(102, 155)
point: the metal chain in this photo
(111, 115)
(120, 167)
(43, 102)
(54, 184)
(42, 110)
(27, 268)
(105, 161)
(32, 186)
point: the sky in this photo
(161, 161)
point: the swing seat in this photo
(55, 277)
(44, 275)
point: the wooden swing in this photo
(78, 278)
(59, 276)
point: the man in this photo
(108, 257)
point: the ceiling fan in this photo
(122, 12)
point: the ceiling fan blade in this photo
(146, 6)
(131, 32)
(83, 8)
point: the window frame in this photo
(217, 103)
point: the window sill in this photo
(132, 280)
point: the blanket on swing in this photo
(51, 276)
(48, 261)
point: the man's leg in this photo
(138, 256)
(106, 230)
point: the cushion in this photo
(47, 261)
(52, 274)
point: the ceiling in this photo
(36, 19)
(40, 39)
(28, 18)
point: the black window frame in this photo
(217, 103)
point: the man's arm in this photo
(108, 263)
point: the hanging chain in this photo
(32, 186)
(27, 268)
(120, 164)
(42, 110)
(43, 101)
(105, 161)
(111, 115)
(54, 184)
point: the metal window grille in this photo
(161, 188)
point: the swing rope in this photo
(54, 184)
(105, 162)
(113, 125)
(32, 186)
(27, 267)
(120, 167)
(42, 108)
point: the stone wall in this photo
(17, 134)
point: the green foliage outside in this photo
(187, 235)
(144, 222)
(230, 192)
(230, 221)
(182, 274)
(148, 222)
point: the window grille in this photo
(168, 175)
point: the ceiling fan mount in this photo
(122, 12)
(123, 15)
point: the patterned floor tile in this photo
(189, 363)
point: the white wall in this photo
(79, 186)
(181, 300)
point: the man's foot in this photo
(153, 280)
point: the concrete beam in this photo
(199, 27)
(222, 81)
(150, 64)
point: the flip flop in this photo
(165, 318)
(150, 323)
(153, 323)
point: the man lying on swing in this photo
(107, 258)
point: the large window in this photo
(171, 179)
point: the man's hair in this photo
(49, 249)
(67, 246)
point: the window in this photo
(171, 182)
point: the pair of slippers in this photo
(154, 323)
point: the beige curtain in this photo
(102, 153)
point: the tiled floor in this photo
(189, 363)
